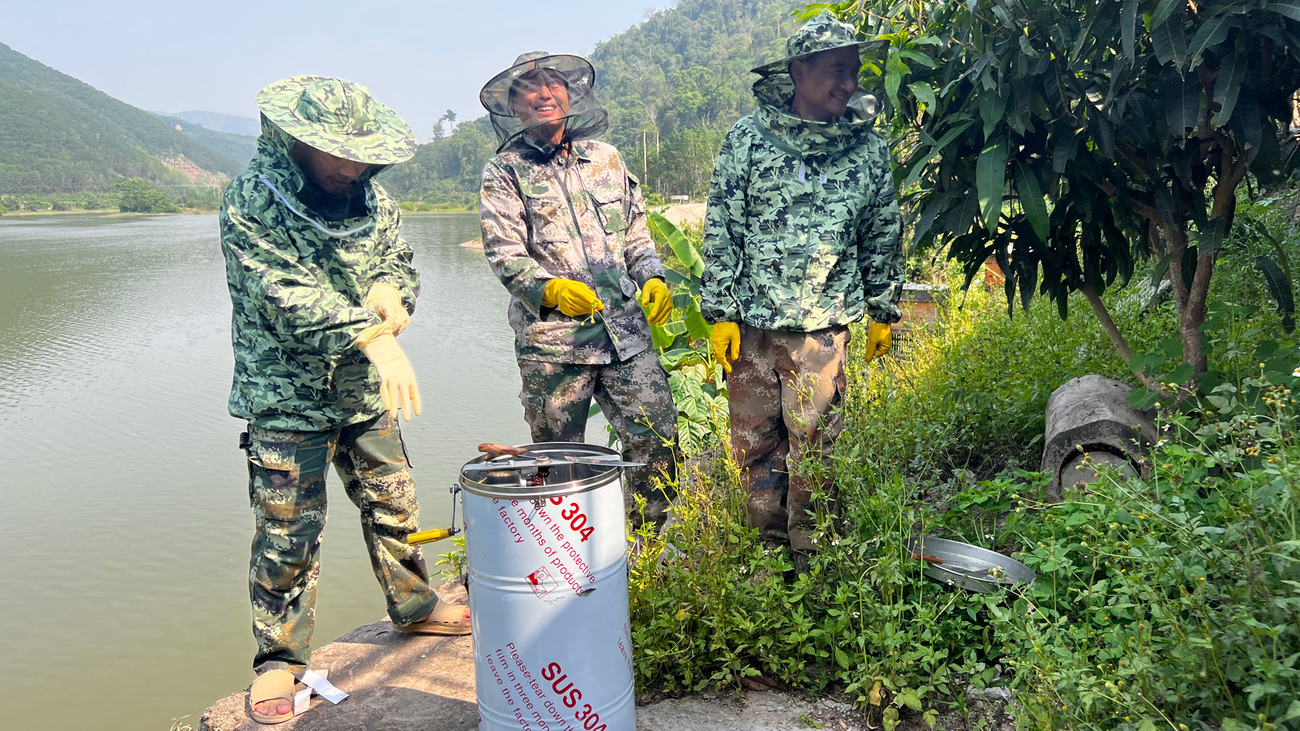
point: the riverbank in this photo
(402, 682)
(108, 212)
(420, 208)
(682, 214)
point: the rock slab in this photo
(394, 681)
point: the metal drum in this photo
(547, 554)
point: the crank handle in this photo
(430, 536)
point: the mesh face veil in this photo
(543, 94)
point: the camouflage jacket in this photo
(297, 285)
(802, 228)
(578, 216)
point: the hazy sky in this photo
(421, 58)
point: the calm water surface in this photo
(125, 526)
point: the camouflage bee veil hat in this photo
(583, 118)
(824, 32)
(337, 117)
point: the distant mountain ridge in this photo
(218, 122)
(61, 135)
(237, 147)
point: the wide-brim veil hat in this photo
(338, 117)
(823, 32)
(584, 119)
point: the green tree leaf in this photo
(992, 108)
(991, 181)
(1182, 100)
(923, 93)
(1211, 33)
(1165, 9)
(1285, 8)
(1232, 72)
(1169, 42)
(1031, 199)
(1128, 25)
(919, 163)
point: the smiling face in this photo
(824, 82)
(334, 175)
(538, 97)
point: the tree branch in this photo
(1112, 331)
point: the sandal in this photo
(272, 685)
(444, 619)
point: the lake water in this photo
(125, 526)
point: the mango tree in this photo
(1072, 139)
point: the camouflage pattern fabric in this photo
(287, 490)
(823, 32)
(635, 398)
(802, 228)
(785, 393)
(297, 283)
(579, 216)
(337, 117)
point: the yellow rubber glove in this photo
(386, 301)
(574, 299)
(398, 390)
(726, 343)
(879, 338)
(656, 300)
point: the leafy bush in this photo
(1169, 602)
(969, 394)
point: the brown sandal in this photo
(444, 619)
(272, 685)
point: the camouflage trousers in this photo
(784, 391)
(636, 400)
(286, 487)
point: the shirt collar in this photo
(578, 148)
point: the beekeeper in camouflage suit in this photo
(564, 228)
(321, 284)
(801, 238)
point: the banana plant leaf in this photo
(677, 241)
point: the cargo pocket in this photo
(547, 216)
(387, 424)
(628, 286)
(273, 474)
(611, 204)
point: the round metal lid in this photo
(563, 478)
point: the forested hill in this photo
(678, 81)
(58, 134)
(237, 147)
(686, 68)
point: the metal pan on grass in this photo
(972, 568)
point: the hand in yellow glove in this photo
(398, 390)
(726, 343)
(574, 299)
(656, 300)
(879, 338)
(386, 301)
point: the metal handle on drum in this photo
(437, 534)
